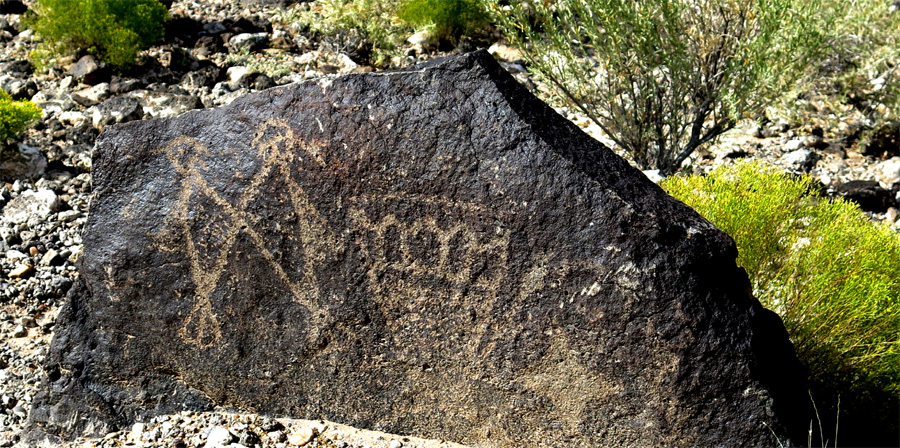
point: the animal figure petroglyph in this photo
(461, 254)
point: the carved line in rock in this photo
(276, 146)
(185, 154)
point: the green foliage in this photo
(832, 275)
(365, 27)
(375, 30)
(662, 78)
(115, 30)
(272, 66)
(15, 116)
(445, 20)
(860, 79)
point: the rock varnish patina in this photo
(431, 251)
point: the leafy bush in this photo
(860, 79)
(115, 30)
(832, 275)
(663, 78)
(444, 20)
(374, 30)
(15, 117)
(367, 29)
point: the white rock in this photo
(889, 170)
(653, 175)
(31, 204)
(308, 58)
(15, 255)
(137, 431)
(505, 53)
(423, 38)
(247, 40)
(96, 93)
(793, 145)
(346, 63)
(238, 72)
(301, 436)
(72, 117)
(219, 437)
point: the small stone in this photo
(892, 215)
(20, 331)
(31, 204)
(301, 436)
(68, 216)
(72, 118)
(814, 141)
(237, 73)
(88, 70)
(423, 39)
(118, 109)
(92, 95)
(33, 251)
(137, 431)
(793, 145)
(889, 170)
(21, 271)
(15, 255)
(248, 41)
(219, 436)
(20, 412)
(802, 159)
(395, 444)
(51, 258)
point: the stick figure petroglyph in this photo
(273, 144)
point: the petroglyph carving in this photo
(210, 234)
(459, 257)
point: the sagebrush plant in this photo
(15, 117)
(445, 20)
(663, 78)
(114, 30)
(272, 66)
(365, 27)
(831, 273)
(861, 74)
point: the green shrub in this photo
(367, 29)
(444, 20)
(832, 275)
(860, 78)
(115, 30)
(662, 78)
(374, 31)
(15, 117)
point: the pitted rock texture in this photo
(431, 251)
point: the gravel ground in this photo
(41, 219)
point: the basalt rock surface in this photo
(431, 251)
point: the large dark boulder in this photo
(431, 251)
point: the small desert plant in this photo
(15, 117)
(831, 273)
(444, 20)
(367, 29)
(662, 78)
(115, 30)
(861, 76)
(272, 66)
